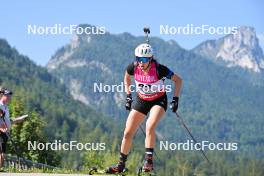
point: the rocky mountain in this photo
(218, 102)
(89, 61)
(240, 49)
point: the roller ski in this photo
(118, 169)
(113, 170)
(141, 172)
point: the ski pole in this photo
(147, 32)
(190, 134)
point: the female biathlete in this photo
(151, 98)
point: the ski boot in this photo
(147, 169)
(116, 169)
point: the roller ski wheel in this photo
(95, 171)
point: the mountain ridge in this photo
(217, 100)
(241, 49)
(65, 118)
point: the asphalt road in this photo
(39, 174)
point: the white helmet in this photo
(144, 50)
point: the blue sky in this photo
(119, 16)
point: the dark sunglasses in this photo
(143, 59)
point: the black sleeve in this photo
(164, 71)
(130, 69)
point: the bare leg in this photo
(134, 119)
(156, 113)
(1, 160)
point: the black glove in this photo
(128, 102)
(174, 104)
